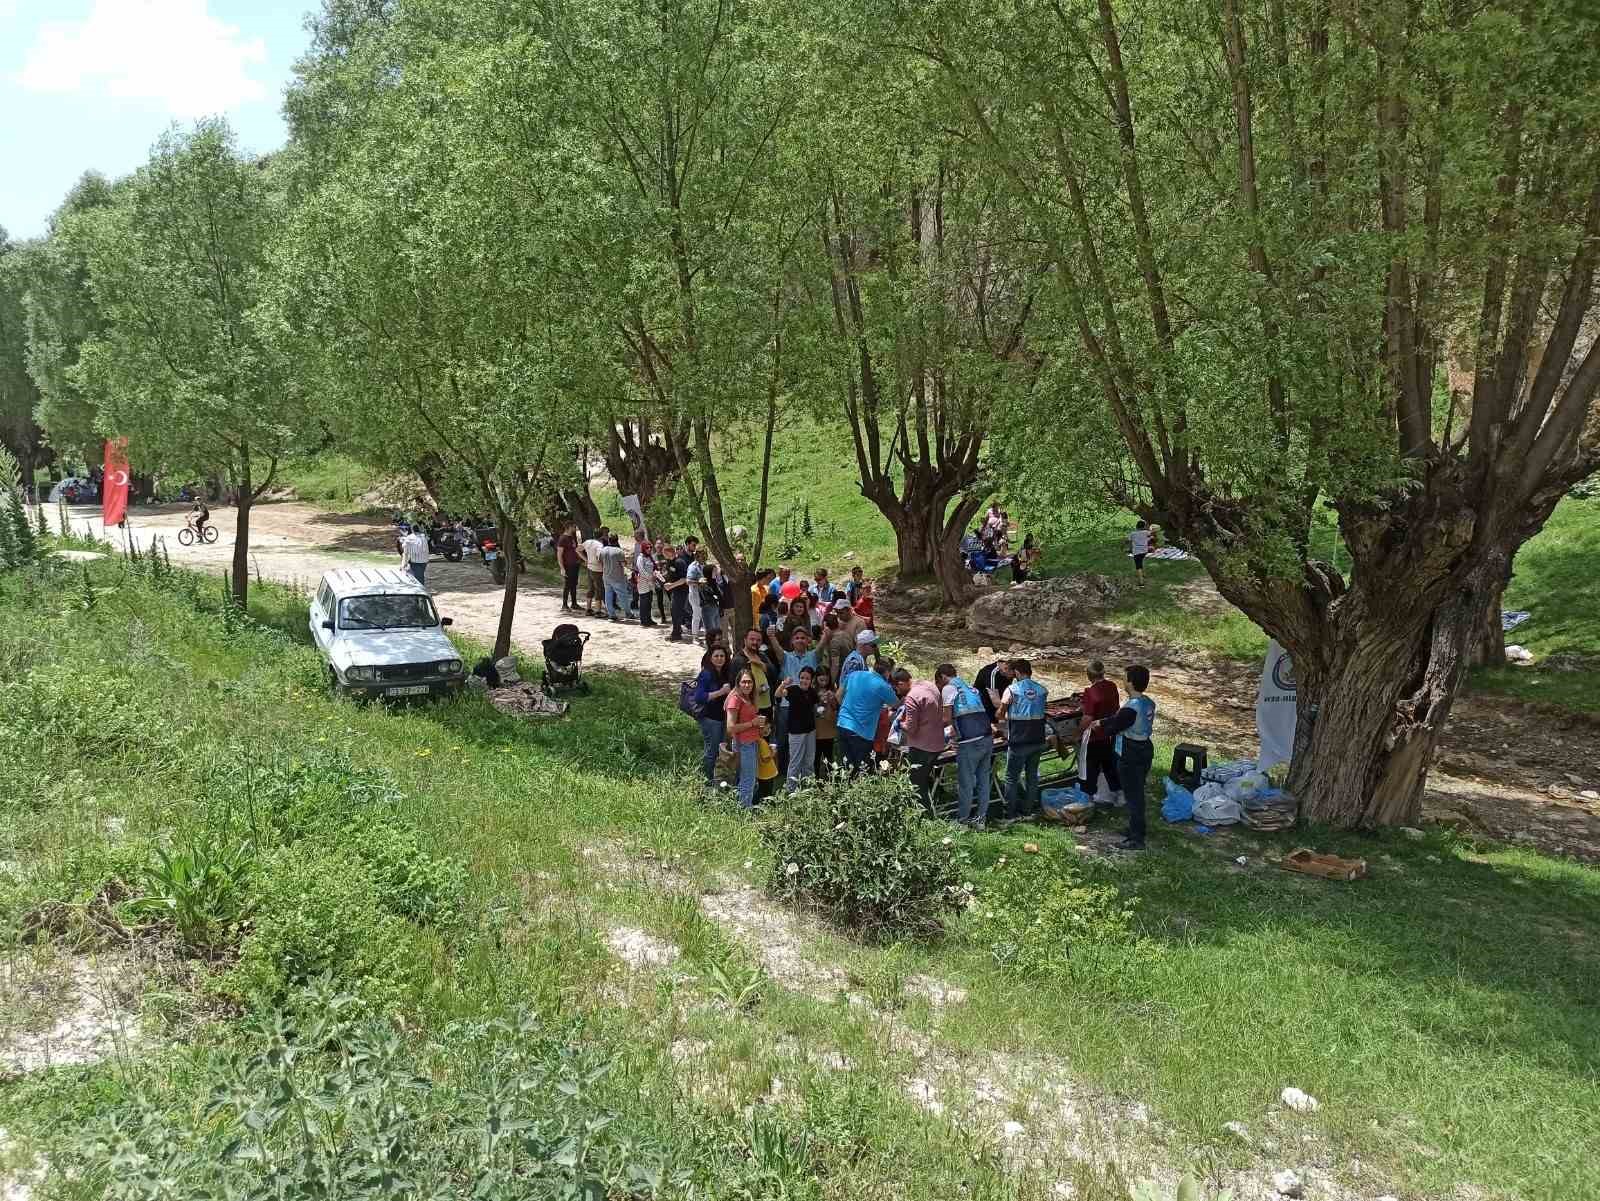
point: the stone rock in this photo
(1287, 1183)
(1012, 1130)
(1043, 612)
(1412, 832)
(1300, 1102)
(1590, 794)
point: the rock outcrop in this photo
(1042, 612)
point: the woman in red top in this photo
(1099, 701)
(744, 731)
(567, 555)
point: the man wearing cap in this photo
(856, 660)
(862, 699)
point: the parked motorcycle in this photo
(493, 558)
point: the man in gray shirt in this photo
(614, 570)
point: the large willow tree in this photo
(1309, 254)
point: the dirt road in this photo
(1506, 769)
(296, 543)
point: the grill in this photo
(407, 671)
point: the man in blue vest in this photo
(1132, 726)
(973, 735)
(1021, 715)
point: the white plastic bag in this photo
(1218, 812)
(1208, 792)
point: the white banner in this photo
(632, 507)
(1275, 707)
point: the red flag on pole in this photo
(114, 486)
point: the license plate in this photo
(489, 556)
(407, 690)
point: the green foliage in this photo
(1188, 1190)
(862, 853)
(410, 881)
(317, 913)
(1039, 918)
(733, 979)
(333, 1106)
(201, 892)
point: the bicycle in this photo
(207, 533)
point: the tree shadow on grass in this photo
(1510, 939)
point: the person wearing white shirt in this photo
(596, 568)
(414, 554)
(1138, 548)
(645, 565)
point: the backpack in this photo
(687, 703)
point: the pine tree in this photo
(8, 539)
(23, 535)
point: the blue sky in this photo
(92, 83)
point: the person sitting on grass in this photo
(1132, 725)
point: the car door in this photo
(321, 611)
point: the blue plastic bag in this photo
(1179, 805)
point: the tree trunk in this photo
(241, 536)
(1373, 693)
(428, 469)
(954, 580)
(508, 597)
(741, 579)
(572, 505)
(1489, 646)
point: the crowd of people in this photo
(789, 714)
(809, 691)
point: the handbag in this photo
(686, 699)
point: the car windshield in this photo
(402, 611)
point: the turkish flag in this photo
(114, 487)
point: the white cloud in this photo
(170, 52)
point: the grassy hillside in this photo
(481, 885)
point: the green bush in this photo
(410, 883)
(201, 891)
(334, 1108)
(318, 913)
(1038, 917)
(862, 854)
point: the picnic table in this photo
(1057, 766)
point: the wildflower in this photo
(793, 869)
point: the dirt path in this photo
(295, 543)
(1509, 770)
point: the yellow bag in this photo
(766, 760)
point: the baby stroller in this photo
(563, 655)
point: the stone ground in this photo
(1506, 769)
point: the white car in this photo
(381, 636)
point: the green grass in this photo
(331, 481)
(1441, 1010)
(1555, 581)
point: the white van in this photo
(381, 636)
